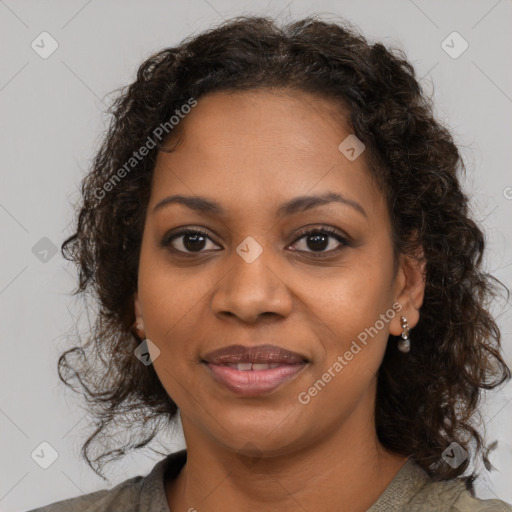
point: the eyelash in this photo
(166, 242)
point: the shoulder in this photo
(452, 496)
(134, 494)
(466, 502)
(413, 490)
(125, 496)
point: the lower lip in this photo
(254, 382)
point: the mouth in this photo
(254, 371)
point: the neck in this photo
(346, 470)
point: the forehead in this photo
(265, 120)
(254, 147)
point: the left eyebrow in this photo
(303, 203)
(297, 204)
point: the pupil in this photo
(196, 242)
(317, 238)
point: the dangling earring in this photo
(404, 345)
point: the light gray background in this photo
(51, 121)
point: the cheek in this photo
(354, 297)
(348, 309)
(175, 307)
(353, 339)
(170, 307)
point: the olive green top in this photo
(411, 490)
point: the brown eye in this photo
(320, 239)
(190, 241)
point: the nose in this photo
(252, 289)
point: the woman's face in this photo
(256, 278)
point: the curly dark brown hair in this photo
(426, 399)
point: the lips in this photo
(254, 371)
(257, 355)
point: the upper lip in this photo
(256, 354)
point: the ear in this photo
(409, 290)
(138, 326)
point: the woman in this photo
(282, 252)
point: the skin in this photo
(252, 151)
